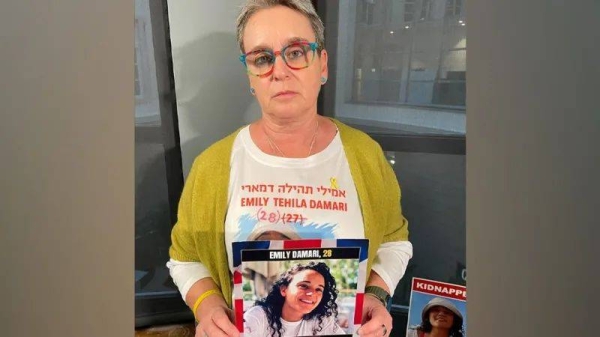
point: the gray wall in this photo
(213, 97)
(533, 130)
(66, 159)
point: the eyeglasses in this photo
(298, 55)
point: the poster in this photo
(299, 287)
(437, 305)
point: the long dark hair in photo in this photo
(273, 303)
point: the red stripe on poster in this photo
(239, 315)
(358, 308)
(295, 244)
(237, 277)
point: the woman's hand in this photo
(376, 320)
(216, 319)
(214, 316)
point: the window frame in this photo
(168, 307)
(406, 84)
(389, 141)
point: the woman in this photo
(300, 303)
(291, 166)
(439, 318)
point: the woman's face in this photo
(441, 318)
(285, 93)
(304, 293)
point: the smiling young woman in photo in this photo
(300, 303)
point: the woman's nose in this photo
(280, 69)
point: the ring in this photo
(384, 329)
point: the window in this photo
(158, 174)
(454, 7)
(409, 59)
(409, 10)
(403, 83)
(137, 80)
(146, 91)
(426, 10)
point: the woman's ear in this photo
(324, 68)
(282, 290)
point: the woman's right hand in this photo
(215, 319)
(214, 316)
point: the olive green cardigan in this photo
(199, 234)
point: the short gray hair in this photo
(304, 7)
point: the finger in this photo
(213, 331)
(370, 329)
(386, 330)
(381, 331)
(199, 331)
(379, 322)
(210, 329)
(223, 322)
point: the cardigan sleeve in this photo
(395, 250)
(396, 228)
(183, 247)
(379, 194)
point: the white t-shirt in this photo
(302, 198)
(257, 325)
(313, 197)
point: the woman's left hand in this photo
(376, 320)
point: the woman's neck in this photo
(435, 332)
(290, 314)
(289, 128)
(293, 138)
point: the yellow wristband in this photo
(202, 298)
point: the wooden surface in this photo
(177, 330)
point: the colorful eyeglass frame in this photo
(313, 47)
